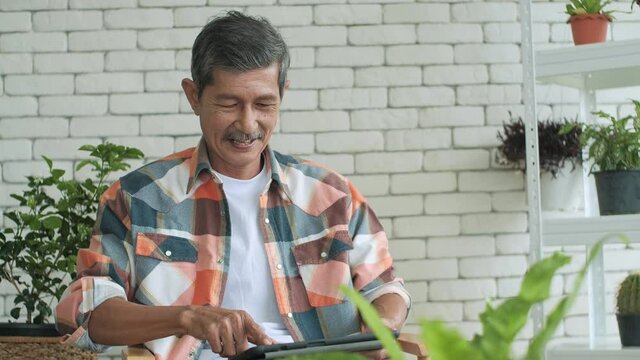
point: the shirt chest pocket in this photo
(165, 266)
(166, 247)
(324, 266)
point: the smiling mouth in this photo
(242, 144)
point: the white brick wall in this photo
(403, 97)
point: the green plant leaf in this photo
(48, 161)
(446, 344)
(86, 162)
(52, 222)
(537, 280)
(15, 312)
(373, 321)
(87, 147)
(536, 347)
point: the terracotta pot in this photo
(589, 28)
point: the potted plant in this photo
(628, 315)
(500, 325)
(560, 157)
(588, 20)
(614, 150)
(38, 251)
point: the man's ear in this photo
(284, 89)
(191, 91)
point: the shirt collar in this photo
(199, 162)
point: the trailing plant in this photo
(554, 149)
(583, 7)
(54, 220)
(614, 146)
(500, 325)
(628, 298)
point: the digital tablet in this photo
(352, 343)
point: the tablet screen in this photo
(352, 343)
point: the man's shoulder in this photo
(295, 166)
(148, 173)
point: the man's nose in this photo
(247, 121)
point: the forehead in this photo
(228, 80)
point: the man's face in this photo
(237, 115)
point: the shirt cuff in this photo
(390, 288)
(95, 291)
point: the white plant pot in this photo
(565, 193)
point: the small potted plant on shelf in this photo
(588, 20)
(54, 219)
(560, 160)
(628, 315)
(614, 150)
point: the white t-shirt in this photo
(249, 285)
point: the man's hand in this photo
(376, 354)
(227, 331)
(393, 312)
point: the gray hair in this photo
(237, 42)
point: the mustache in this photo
(242, 137)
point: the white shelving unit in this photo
(587, 68)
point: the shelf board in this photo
(612, 350)
(588, 230)
(607, 65)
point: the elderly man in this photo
(230, 242)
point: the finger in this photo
(213, 337)
(226, 336)
(239, 333)
(254, 332)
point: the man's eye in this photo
(264, 105)
(227, 106)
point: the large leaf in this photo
(537, 280)
(500, 327)
(536, 347)
(447, 344)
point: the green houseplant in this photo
(588, 20)
(500, 325)
(614, 149)
(560, 158)
(628, 305)
(54, 219)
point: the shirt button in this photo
(168, 252)
(323, 254)
(266, 220)
(290, 315)
(220, 261)
(279, 266)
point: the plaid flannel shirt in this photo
(162, 238)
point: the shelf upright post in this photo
(532, 160)
(596, 290)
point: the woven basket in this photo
(40, 348)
